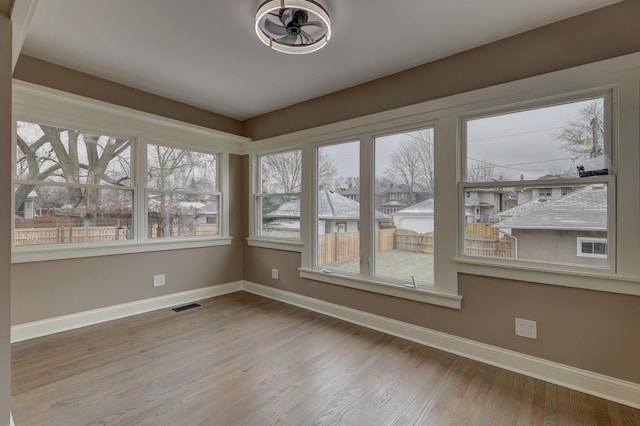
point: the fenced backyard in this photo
(74, 230)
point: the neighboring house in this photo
(26, 210)
(482, 205)
(351, 192)
(208, 214)
(571, 229)
(418, 218)
(336, 213)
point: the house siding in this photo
(556, 246)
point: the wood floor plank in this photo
(246, 360)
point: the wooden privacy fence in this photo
(67, 234)
(340, 246)
(480, 239)
(408, 240)
(92, 234)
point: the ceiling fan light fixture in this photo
(293, 26)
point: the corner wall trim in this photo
(34, 329)
(595, 384)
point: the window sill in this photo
(598, 280)
(285, 245)
(44, 253)
(426, 296)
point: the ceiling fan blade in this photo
(306, 37)
(313, 23)
(289, 39)
(274, 28)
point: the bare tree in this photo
(411, 165)
(282, 172)
(480, 171)
(326, 170)
(70, 156)
(588, 127)
(181, 175)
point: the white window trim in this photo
(622, 73)
(580, 253)
(255, 191)
(34, 103)
(610, 94)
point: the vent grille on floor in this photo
(185, 307)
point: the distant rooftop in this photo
(583, 209)
(331, 205)
(422, 207)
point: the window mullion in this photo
(367, 206)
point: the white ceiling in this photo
(205, 52)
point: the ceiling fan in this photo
(293, 26)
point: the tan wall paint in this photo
(5, 217)
(43, 290)
(5, 7)
(55, 76)
(591, 330)
(604, 33)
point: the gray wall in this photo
(5, 214)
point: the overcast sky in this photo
(524, 142)
(517, 143)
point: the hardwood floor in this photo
(242, 359)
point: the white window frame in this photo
(255, 192)
(610, 150)
(443, 291)
(621, 74)
(580, 253)
(37, 104)
(142, 236)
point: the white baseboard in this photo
(606, 387)
(81, 319)
(11, 423)
(610, 388)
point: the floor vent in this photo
(185, 307)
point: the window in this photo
(181, 193)
(71, 186)
(543, 179)
(595, 247)
(277, 195)
(403, 236)
(337, 246)
(397, 235)
(545, 192)
(88, 181)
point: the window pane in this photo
(61, 215)
(53, 154)
(281, 172)
(600, 248)
(404, 206)
(180, 169)
(552, 141)
(338, 213)
(182, 215)
(513, 223)
(280, 217)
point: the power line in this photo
(516, 134)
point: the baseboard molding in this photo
(585, 381)
(11, 423)
(34, 329)
(606, 387)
